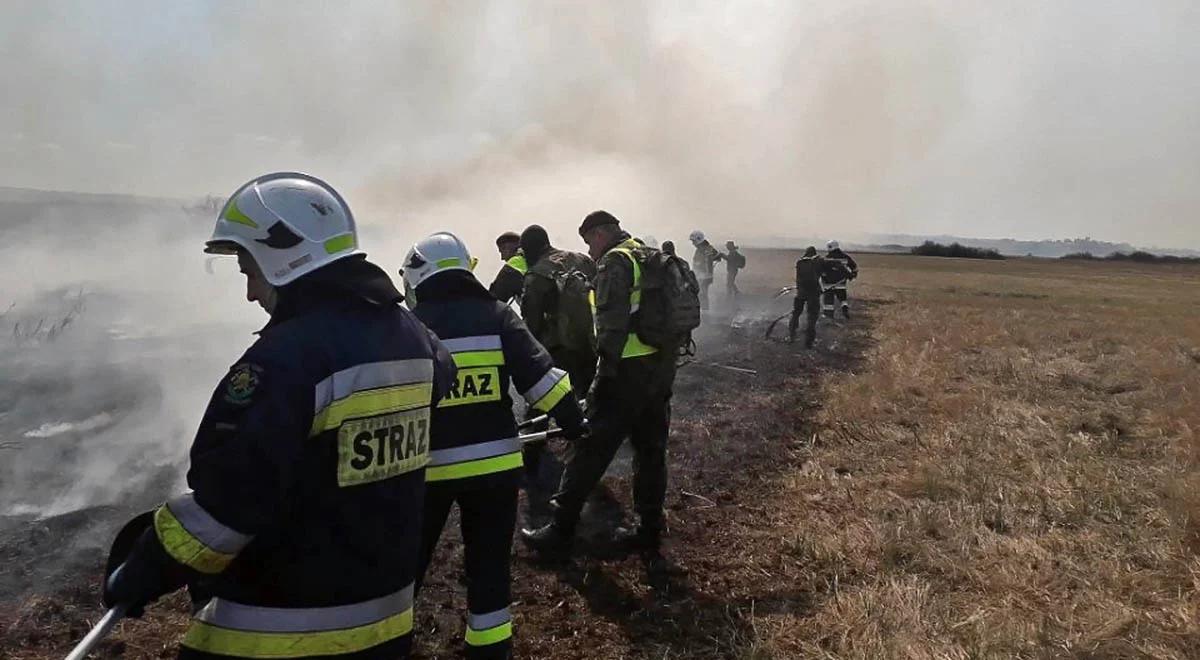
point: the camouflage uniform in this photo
(539, 304)
(539, 307)
(631, 396)
(808, 297)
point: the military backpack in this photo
(670, 304)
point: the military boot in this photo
(550, 541)
(638, 539)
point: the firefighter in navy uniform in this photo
(307, 474)
(511, 277)
(630, 397)
(476, 455)
(839, 269)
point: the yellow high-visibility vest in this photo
(634, 347)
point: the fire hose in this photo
(785, 290)
(98, 632)
(534, 421)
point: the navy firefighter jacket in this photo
(307, 475)
(475, 440)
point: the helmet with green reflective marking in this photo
(436, 253)
(290, 223)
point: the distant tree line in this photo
(931, 249)
(1138, 256)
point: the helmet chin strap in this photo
(272, 300)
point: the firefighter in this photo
(301, 529)
(704, 260)
(476, 455)
(734, 262)
(808, 296)
(511, 277)
(554, 304)
(630, 397)
(839, 270)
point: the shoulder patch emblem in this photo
(243, 381)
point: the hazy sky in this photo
(1025, 119)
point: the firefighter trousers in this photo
(636, 405)
(834, 296)
(488, 518)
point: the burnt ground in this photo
(734, 436)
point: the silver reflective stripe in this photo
(634, 307)
(371, 376)
(208, 530)
(543, 386)
(480, 343)
(236, 616)
(474, 452)
(489, 620)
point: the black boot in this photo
(549, 541)
(639, 539)
(846, 311)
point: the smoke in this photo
(755, 121)
(114, 337)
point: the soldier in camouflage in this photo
(630, 397)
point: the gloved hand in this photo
(147, 574)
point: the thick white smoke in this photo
(752, 120)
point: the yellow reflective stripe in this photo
(517, 262)
(479, 359)
(370, 403)
(185, 548)
(474, 468)
(556, 393)
(339, 244)
(250, 644)
(491, 635)
(635, 347)
(234, 214)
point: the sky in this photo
(1019, 119)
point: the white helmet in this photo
(290, 223)
(832, 245)
(436, 253)
(696, 236)
(650, 241)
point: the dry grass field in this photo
(1018, 466)
(990, 460)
